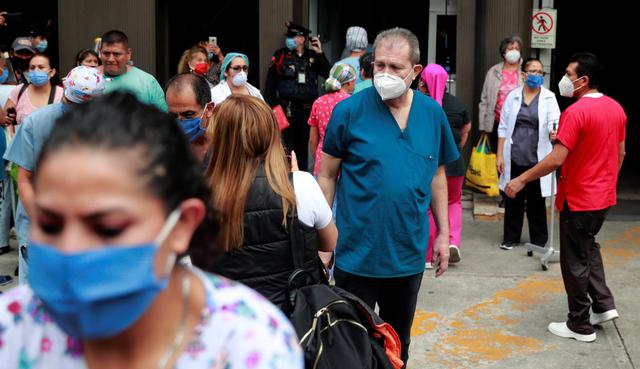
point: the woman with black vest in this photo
(258, 197)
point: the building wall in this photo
(273, 15)
(81, 21)
(495, 20)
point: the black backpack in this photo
(336, 329)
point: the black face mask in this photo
(20, 64)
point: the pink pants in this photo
(454, 189)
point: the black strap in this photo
(52, 94)
(295, 241)
(22, 90)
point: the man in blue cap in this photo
(292, 82)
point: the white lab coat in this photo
(548, 111)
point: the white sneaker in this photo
(561, 330)
(596, 318)
(507, 245)
(428, 266)
(454, 254)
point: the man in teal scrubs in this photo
(119, 75)
(389, 145)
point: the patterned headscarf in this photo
(436, 79)
(339, 74)
(357, 38)
(227, 60)
(82, 84)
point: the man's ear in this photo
(586, 81)
(417, 69)
(208, 110)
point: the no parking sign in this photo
(543, 28)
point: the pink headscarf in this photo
(436, 79)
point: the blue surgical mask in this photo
(210, 55)
(192, 127)
(99, 293)
(42, 46)
(38, 77)
(290, 43)
(4, 76)
(534, 80)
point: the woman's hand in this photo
(294, 162)
(9, 119)
(553, 135)
(500, 164)
(327, 260)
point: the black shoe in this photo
(4, 249)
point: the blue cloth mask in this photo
(98, 293)
(38, 77)
(4, 76)
(290, 43)
(210, 55)
(42, 46)
(192, 127)
(534, 80)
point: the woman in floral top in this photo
(101, 294)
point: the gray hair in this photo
(508, 41)
(397, 35)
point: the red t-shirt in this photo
(591, 129)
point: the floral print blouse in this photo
(238, 329)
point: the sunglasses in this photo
(238, 67)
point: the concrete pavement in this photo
(492, 309)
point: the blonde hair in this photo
(183, 64)
(244, 135)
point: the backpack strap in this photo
(52, 94)
(295, 241)
(22, 90)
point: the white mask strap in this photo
(168, 226)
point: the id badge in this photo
(302, 78)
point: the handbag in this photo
(281, 118)
(482, 174)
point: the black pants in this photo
(396, 297)
(582, 269)
(530, 198)
(296, 137)
(493, 137)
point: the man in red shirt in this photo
(590, 148)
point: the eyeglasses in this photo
(536, 72)
(238, 67)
